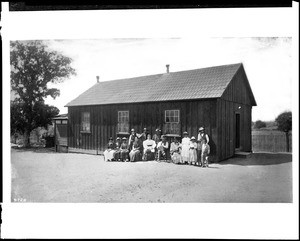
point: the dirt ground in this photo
(40, 175)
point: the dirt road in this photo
(41, 176)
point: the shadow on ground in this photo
(259, 159)
(34, 149)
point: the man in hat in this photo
(131, 139)
(200, 141)
(124, 150)
(143, 136)
(162, 148)
(109, 152)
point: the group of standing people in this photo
(141, 147)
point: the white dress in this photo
(108, 154)
(149, 145)
(193, 152)
(185, 153)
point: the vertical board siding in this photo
(193, 114)
(238, 90)
(226, 127)
(216, 115)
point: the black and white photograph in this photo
(87, 129)
(193, 119)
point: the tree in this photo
(33, 67)
(284, 123)
(259, 124)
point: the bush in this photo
(49, 141)
(259, 124)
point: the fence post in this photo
(273, 142)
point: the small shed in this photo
(61, 133)
(218, 98)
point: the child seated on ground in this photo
(109, 152)
(205, 153)
(124, 150)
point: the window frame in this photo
(173, 116)
(120, 122)
(82, 122)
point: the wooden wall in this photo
(193, 114)
(237, 94)
(216, 115)
(226, 111)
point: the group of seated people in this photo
(141, 147)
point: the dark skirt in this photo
(135, 156)
(124, 155)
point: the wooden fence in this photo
(270, 141)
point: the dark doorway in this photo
(237, 130)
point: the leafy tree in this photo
(284, 123)
(33, 67)
(259, 124)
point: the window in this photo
(85, 121)
(123, 121)
(172, 116)
(64, 122)
(172, 122)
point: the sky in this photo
(267, 62)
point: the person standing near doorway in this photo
(200, 141)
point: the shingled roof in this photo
(191, 84)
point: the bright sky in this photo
(267, 62)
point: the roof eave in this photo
(144, 102)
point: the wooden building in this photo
(61, 133)
(217, 98)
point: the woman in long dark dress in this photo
(135, 153)
(117, 149)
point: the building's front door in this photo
(237, 131)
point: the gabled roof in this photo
(183, 85)
(60, 117)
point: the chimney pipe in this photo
(97, 77)
(167, 68)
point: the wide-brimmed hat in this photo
(132, 130)
(163, 136)
(118, 138)
(201, 129)
(193, 138)
(158, 130)
(185, 133)
(124, 138)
